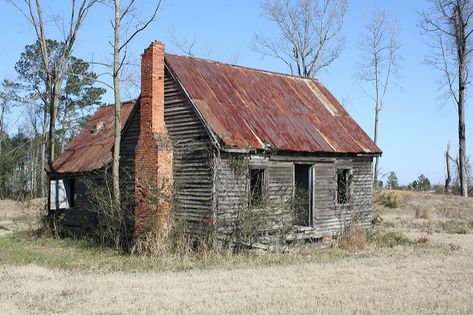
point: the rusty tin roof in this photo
(91, 149)
(255, 109)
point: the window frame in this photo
(68, 185)
(311, 190)
(263, 183)
(348, 184)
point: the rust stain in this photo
(249, 108)
(91, 149)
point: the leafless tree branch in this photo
(309, 34)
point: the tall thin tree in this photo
(55, 70)
(135, 25)
(379, 46)
(450, 24)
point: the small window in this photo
(62, 193)
(256, 186)
(343, 185)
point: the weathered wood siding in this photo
(232, 189)
(80, 219)
(128, 143)
(192, 151)
(330, 217)
(232, 195)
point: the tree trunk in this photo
(116, 90)
(462, 145)
(461, 50)
(52, 121)
(65, 127)
(447, 166)
(43, 162)
(376, 159)
(43, 151)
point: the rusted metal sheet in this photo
(254, 109)
(91, 149)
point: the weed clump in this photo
(353, 238)
(455, 226)
(424, 211)
(389, 239)
(388, 199)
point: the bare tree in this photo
(450, 24)
(380, 54)
(134, 24)
(183, 45)
(448, 177)
(309, 33)
(55, 70)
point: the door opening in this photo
(303, 195)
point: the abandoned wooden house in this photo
(228, 138)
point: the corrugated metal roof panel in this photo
(249, 108)
(91, 149)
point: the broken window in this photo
(256, 186)
(62, 193)
(343, 185)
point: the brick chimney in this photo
(153, 157)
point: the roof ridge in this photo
(123, 103)
(244, 67)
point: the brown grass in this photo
(401, 269)
(424, 211)
(388, 199)
(399, 282)
(353, 238)
(14, 214)
(443, 206)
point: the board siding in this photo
(329, 217)
(80, 219)
(128, 144)
(192, 160)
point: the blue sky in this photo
(415, 125)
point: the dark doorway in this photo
(303, 195)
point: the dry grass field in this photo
(15, 214)
(419, 260)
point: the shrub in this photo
(389, 239)
(455, 226)
(152, 243)
(424, 211)
(388, 199)
(352, 238)
(454, 213)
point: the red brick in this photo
(153, 159)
